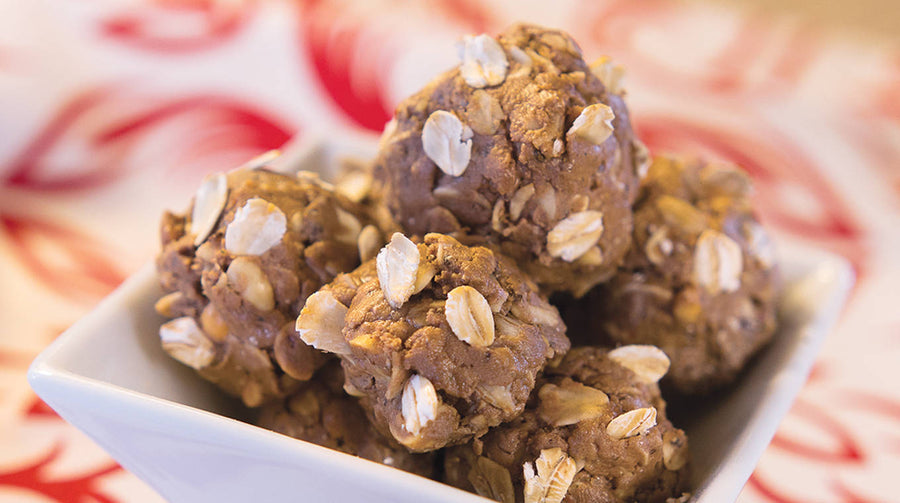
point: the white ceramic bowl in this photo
(108, 376)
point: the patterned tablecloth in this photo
(113, 111)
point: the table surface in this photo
(113, 111)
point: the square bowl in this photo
(108, 376)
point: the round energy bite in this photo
(322, 413)
(524, 147)
(596, 430)
(700, 281)
(237, 269)
(441, 340)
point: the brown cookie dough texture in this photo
(322, 413)
(237, 269)
(442, 341)
(596, 430)
(700, 281)
(524, 146)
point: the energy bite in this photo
(596, 430)
(442, 341)
(524, 146)
(700, 281)
(321, 413)
(237, 268)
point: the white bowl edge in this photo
(813, 303)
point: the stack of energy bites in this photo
(426, 340)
